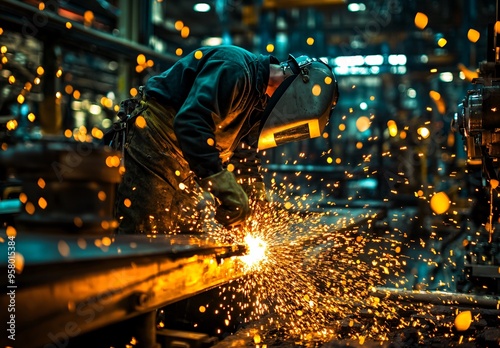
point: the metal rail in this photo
(69, 285)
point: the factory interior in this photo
(380, 231)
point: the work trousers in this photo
(158, 192)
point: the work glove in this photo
(257, 193)
(233, 208)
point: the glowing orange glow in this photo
(41, 183)
(442, 42)
(463, 321)
(179, 25)
(23, 198)
(19, 262)
(440, 203)
(11, 125)
(29, 208)
(88, 17)
(11, 231)
(198, 54)
(185, 32)
(363, 123)
(97, 133)
(140, 122)
(436, 96)
(473, 35)
(42, 203)
(102, 196)
(393, 128)
(316, 90)
(469, 74)
(497, 27)
(141, 59)
(421, 20)
(112, 161)
(106, 241)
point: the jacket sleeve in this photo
(219, 88)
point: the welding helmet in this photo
(300, 107)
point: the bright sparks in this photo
(256, 252)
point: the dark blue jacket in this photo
(218, 94)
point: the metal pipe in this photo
(438, 297)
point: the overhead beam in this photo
(30, 21)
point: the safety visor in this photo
(301, 106)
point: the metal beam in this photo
(30, 21)
(70, 284)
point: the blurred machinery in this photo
(478, 120)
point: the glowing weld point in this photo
(256, 251)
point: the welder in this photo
(192, 137)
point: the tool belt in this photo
(117, 135)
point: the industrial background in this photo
(385, 227)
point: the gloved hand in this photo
(233, 208)
(257, 193)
